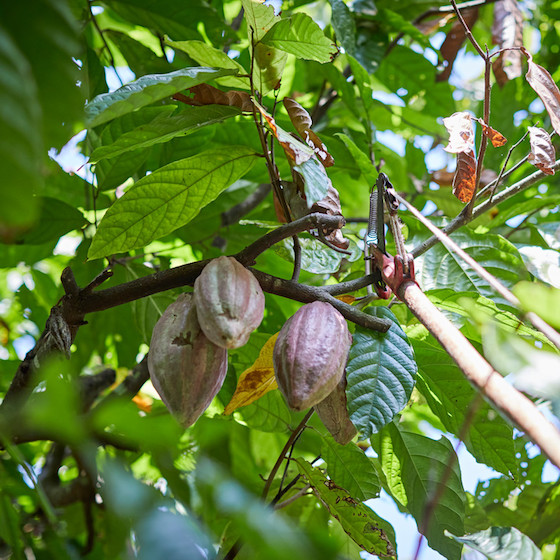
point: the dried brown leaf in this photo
(443, 177)
(461, 133)
(464, 182)
(204, 94)
(507, 31)
(296, 151)
(543, 154)
(541, 81)
(454, 41)
(495, 137)
(331, 205)
(302, 123)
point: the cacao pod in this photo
(333, 413)
(229, 301)
(310, 354)
(186, 369)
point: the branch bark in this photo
(504, 397)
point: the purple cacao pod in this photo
(310, 354)
(186, 369)
(334, 414)
(229, 301)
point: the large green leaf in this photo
(168, 198)
(111, 174)
(489, 438)
(381, 373)
(147, 90)
(501, 543)
(316, 180)
(414, 467)
(301, 36)
(349, 467)
(344, 25)
(441, 268)
(544, 264)
(543, 300)
(260, 18)
(20, 151)
(207, 55)
(55, 219)
(362, 524)
(162, 129)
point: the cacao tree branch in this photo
(504, 397)
(235, 213)
(461, 219)
(533, 318)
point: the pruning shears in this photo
(389, 272)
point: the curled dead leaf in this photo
(495, 137)
(461, 133)
(543, 154)
(541, 81)
(507, 32)
(464, 182)
(255, 381)
(204, 94)
(302, 123)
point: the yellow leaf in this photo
(255, 381)
(346, 298)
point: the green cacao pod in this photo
(334, 414)
(229, 301)
(186, 369)
(310, 354)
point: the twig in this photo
(234, 214)
(533, 318)
(468, 32)
(297, 258)
(461, 220)
(293, 498)
(293, 437)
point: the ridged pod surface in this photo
(310, 354)
(229, 301)
(334, 414)
(186, 369)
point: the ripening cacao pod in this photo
(229, 301)
(333, 413)
(186, 369)
(310, 354)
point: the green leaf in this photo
(501, 543)
(543, 300)
(365, 165)
(268, 68)
(164, 128)
(168, 199)
(441, 268)
(414, 467)
(362, 524)
(206, 55)
(316, 257)
(20, 151)
(55, 219)
(267, 414)
(381, 374)
(146, 90)
(349, 467)
(302, 37)
(111, 174)
(260, 18)
(544, 264)
(550, 232)
(344, 25)
(316, 180)
(489, 437)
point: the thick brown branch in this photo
(503, 396)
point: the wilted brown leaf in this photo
(496, 137)
(464, 182)
(543, 84)
(256, 380)
(461, 133)
(454, 41)
(507, 31)
(302, 123)
(543, 154)
(204, 94)
(295, 149)
(331, 205)
(445, 178)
